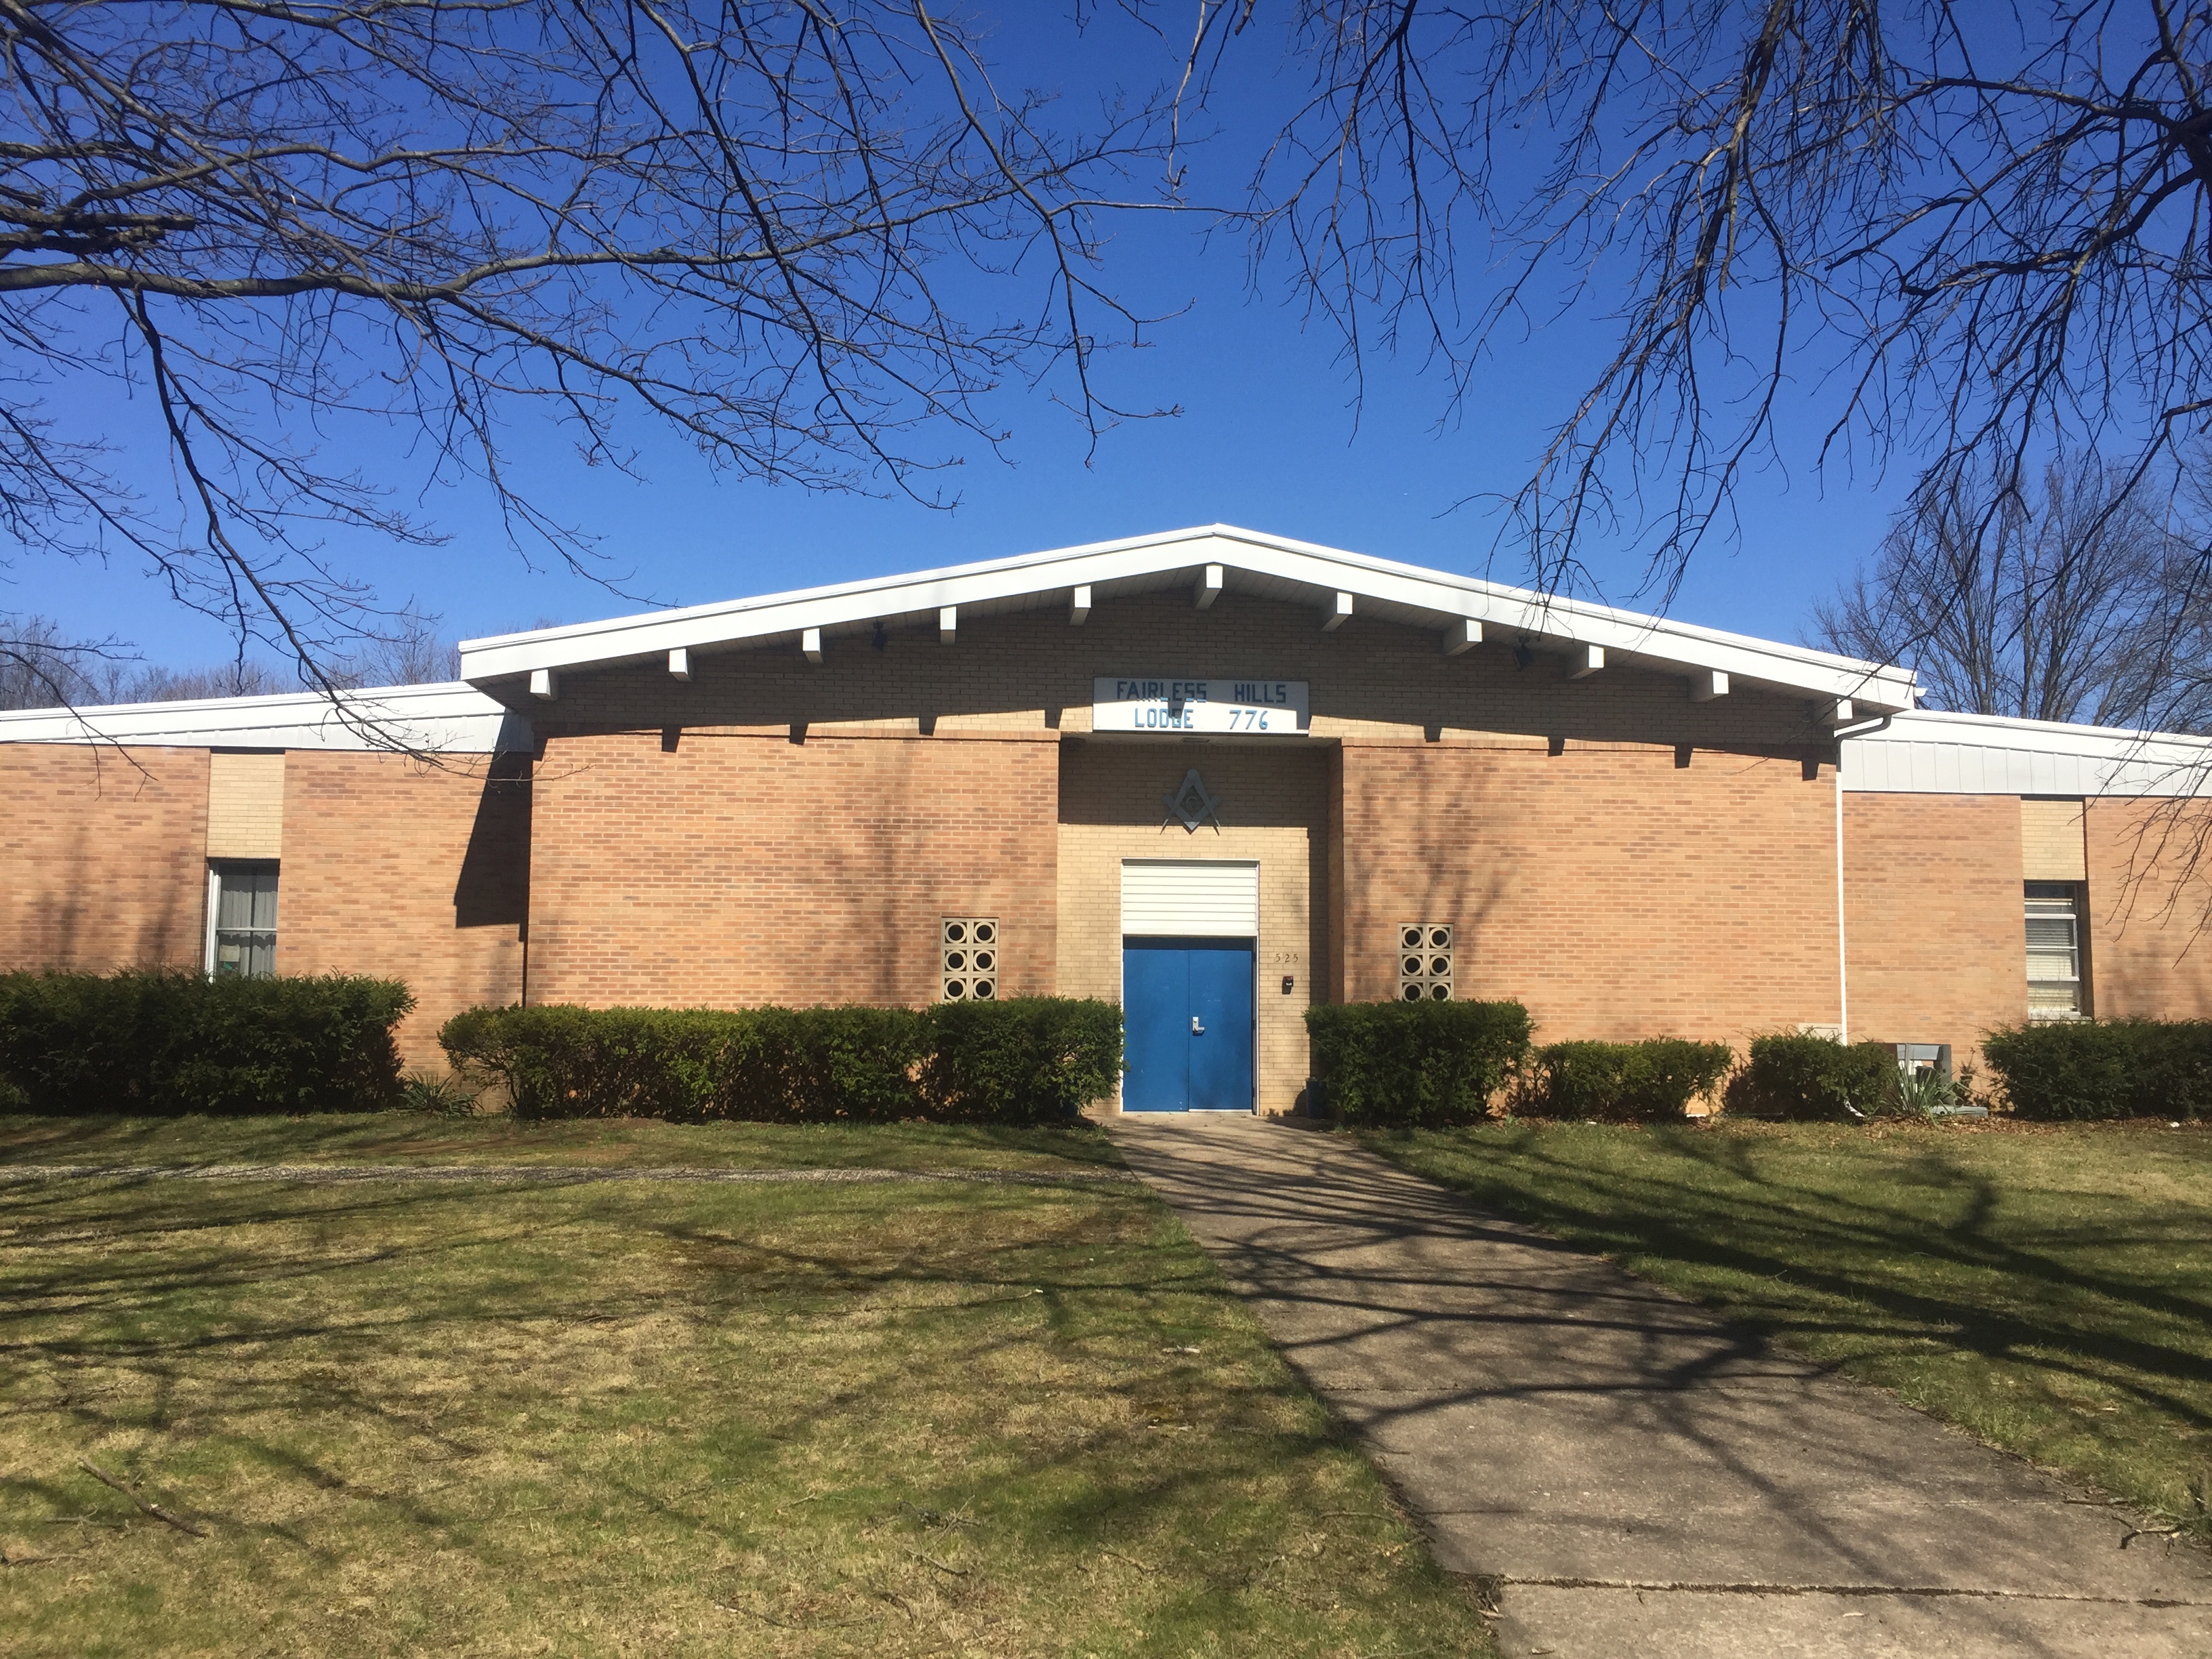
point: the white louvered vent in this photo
(1205, 899)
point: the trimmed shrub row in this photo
(2077, 1070)
(1622, 1082)
(1815, 1079)
(1025, 1060)
(161, 1044)
(166, 1043)
(1414, 1064)
(1407, 1065)
(1426, 1064)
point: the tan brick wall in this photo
(1938, 942)
(1615, 894)
(245, 806)
(392, 867)
(686, 850)
(2150, 899)
(2050, 846)
(738, 869)
(1274, 808)
(104, 857)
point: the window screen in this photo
(243, 942)
(2054, 950)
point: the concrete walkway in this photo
(1636, 1477)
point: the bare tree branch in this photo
(1973, 237)
(2082, 604)
(811, 235)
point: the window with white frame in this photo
(241, 938)
(2056, 983)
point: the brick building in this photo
(1214, 775)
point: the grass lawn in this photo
(414, 1137)
(2048, 1287)
(630, 1418)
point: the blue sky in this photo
(1267, 437)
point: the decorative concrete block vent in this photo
(969, 957)
(1424, 962)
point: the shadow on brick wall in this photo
(494, 888)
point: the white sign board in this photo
(1270, 709)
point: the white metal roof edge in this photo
(1444, 596)
(1933, 753)
(450, 718)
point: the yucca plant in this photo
(1923, 1092)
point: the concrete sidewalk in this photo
(1640, 1478)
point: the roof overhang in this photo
(445, 718)
(1270, 567)
(1928, 753)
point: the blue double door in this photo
(1186, 1009)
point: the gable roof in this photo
(1272, 567)
(448, 718)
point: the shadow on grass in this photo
(283, 1334)
(1893, 1248)
(2051, 1292)
(373, 1135)
(1463, 1322)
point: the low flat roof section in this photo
(1926, 753)
(452, 718)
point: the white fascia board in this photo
(1942, 754)
(737, 622)
(1655, 641)
(1663, 642)
(448, 718)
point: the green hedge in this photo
(1021, 1060)
(1409, 1064)
(1024, 1059)
(1622, 1082)
(2075, 1070)
(168, 1044)
(1814, 1078)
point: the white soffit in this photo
(1269, 567)
(1194, 898)
(1936, 754)
(449, 719)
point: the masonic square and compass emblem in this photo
(1192, 805)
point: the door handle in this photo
(1196, 1029)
